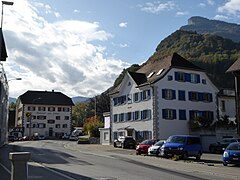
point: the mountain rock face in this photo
(205, 26)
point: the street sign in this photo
(28, 114)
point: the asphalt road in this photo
(60, 160)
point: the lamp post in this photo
(18, 79)
(8, 3)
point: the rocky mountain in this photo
(79, 99)
(203, 25)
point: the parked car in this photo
(25, 138)
(73, 138)
(65, 136)
(218, 147)
(41, 137)
(142, 148)
(231, 154)
(154, 149)
(125, 142)
(11, 138)
(183, 146)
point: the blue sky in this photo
(79, 47)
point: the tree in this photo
(92, 125)
(79, 114)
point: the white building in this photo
(164, 97)
(43, 112)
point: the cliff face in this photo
(205, 26)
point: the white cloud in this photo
(157, 7)
(123, 24)
(76, 11)
(59, 55)
(221, 17)
(124, 45)
(202, 5)
(231, 7)
(182, 13)
(210, 2)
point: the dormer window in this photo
(160, 71)
(129, 83)
(150, 75)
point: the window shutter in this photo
(198, 78)
(149, 114)
(141, 94)
(190, 96)
(187, 77)
(176, 76)
(210, 97)
(141, 114)
(164, 113)
(200, 96)
(173, 94)
(174, 114)
(164, 93)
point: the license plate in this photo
(235, 159)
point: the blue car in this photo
(231, 154)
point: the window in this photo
(33, 117)
(193, 96)
(194, 78)
(170, 78)
(41, 125)
(129, 96)
(57, 126)
(168, 94)
(51, 108)
(121, 100)
(66, 109)
(66, 118)
(41, 117)
(41, 108)
(115, 117)
(121, 117)
(181, 95)
(146, 94)
(146, 114)
(207, 97)
(223, 105)
(51, 121)
(129, 116)
(169, 114)
(136, 97)
(59, 109)
(58, 117)
(204, 81)
(182, 114)
(205, 114)
(31, 108)
(179, 76)
(64, 125)
(136, 115)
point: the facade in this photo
(44, 113)
(105, 132)
(3, 107)
(164, 97)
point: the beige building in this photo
(47, 113)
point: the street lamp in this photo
(8, 3)
(18, 79)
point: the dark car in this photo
(142, 148)
(218, 147)
(11, 138)
(125, 142)
(231, 154)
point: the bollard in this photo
(19, 169)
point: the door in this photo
(50, 131)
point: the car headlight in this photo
(181, 148)
(162, 148)
(225, 154)
(137, 147)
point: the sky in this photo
(79, 47)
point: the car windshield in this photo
(176, 139)
(227, 141)
(159, 143)
(148, 142)
(234, 146)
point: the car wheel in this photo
(138, 153)
(185, 156)
(114, 144)
(198, 157)
(122, 145)
(225, 163)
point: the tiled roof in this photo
(45, 98)
(235, 66)
(152, 71)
